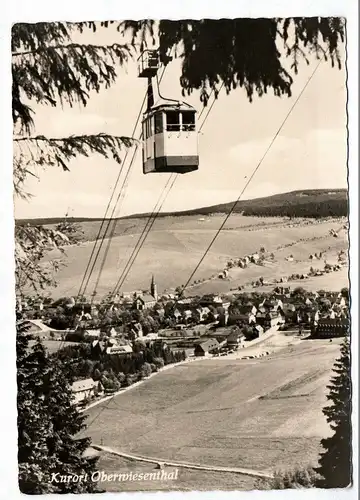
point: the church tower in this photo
(153, 288)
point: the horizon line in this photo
(174, 212)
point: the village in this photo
(182, 328)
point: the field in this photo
(175, 245)
(188, 480)
(259, 413)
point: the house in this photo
(207, 300)
(259, 329)
(270, 319)
(177, 315)
(85, 389)
(98, 347)
(92, 333)
(235, 339)
(243, 319)
(214, 300)
(248, 308)
(206, 347)
(341, 302)
(116, 331)
(160, 313)
(275, 319)
(271, 305)
(281, 291)
(151, 336)
(187, 315)
(288, 312)
(223, 317)
(136, 330)
(255, 258)
(185, 301)
(119, 349)
(331, 327)
(200, 314)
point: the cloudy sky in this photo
(310, 151)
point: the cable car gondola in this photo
(170, 137)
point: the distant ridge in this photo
(302, 203)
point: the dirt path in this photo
(184, 465)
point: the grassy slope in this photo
(210, 412)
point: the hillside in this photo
(306, 203)
(309, 203)
(175, 246)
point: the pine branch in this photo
(32, 243)
(110, 49)
(59, 74)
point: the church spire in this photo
(153, 288)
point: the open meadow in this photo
(231, 413)
(175, 245)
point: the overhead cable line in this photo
(232, 209)
(89, 271)
(154, 214)
(210, 108)
(114, 222)
(250, 179)
(143, 236)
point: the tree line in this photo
(310, 209)
(114, 371)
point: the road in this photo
(184, 465)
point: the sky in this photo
(309, 152)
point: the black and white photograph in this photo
(182, 280)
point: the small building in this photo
(92, 333)
(116, 331)
(331, 327)
(200, 314)
(119, 349)
(259, 329)
(206, 348)
(98, 347)
(248, 309)
(147, 300)
(136, 330)
(275, 319)
(235, 339)
(177, 315)
(85, 389)
(187, 315)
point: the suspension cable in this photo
(114, 220)
(211, 107)
(233, 207)
(81, 290)
(146, 228)
(113, 193)
(145, 233)
(151, 222)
